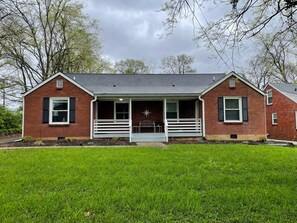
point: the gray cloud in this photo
(132, 29)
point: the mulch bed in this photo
(114, 142)
(59, 143)
(203, 141)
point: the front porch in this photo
(147, 120)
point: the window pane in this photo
(274, 118)
(269, 93)
(171, 107)
(171, 114)
(122, 116)
(60, 105)
(232, 115)
(122, 111)
(122, 107)
(60, 116)
(231, 103)
(270, 100)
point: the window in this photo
(269, 97)
(296, 118)
(232, 109)
(232, 83)
(59, 84)
(122, 110)
(274, 118)
(59, 111)
(171, 110)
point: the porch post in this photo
(165, 119)
(196, 110)
(130, 120)
(196, 114)
(92, 117)
(203, 116)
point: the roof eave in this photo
(53, 77)
(232, 73)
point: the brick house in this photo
(145, 107)
(281, 111)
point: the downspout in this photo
(91, 119)
(203, 116)
(265, 117)
(23, 118)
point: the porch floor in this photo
(148, 137)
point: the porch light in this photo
(121, 99)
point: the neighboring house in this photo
(145, 107)
(281, 111)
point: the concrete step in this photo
(148, 137)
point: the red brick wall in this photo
(155, 107)
(254, 129)
(33, 125)
(286, 123)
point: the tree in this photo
(275, 60)
(246, 18)
(180, 64)
(131, 66)
(43, 37)
(258, 72)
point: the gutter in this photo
(148, 95)
(203, 116)
(91, 117)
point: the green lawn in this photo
(183, 183)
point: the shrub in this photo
(27, 139)
(10, 121)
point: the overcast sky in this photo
(131, 29)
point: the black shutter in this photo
(45, 113)
(72, 110)
(220, 109)
(245, 116)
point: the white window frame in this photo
(52, 99)
(115, 109)
(177, 109)
(240, 109)
(270, 90)
(296, 118)
(272, 118)
(59, 83)
(232, 82)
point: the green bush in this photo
(10, 121)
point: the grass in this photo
(184, 183)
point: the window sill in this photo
(58, 124)
(234, 122)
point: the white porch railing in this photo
(112, 126)
(186, 127)
(183, 125)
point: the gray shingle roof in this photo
(290, 90)
(146, 84)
